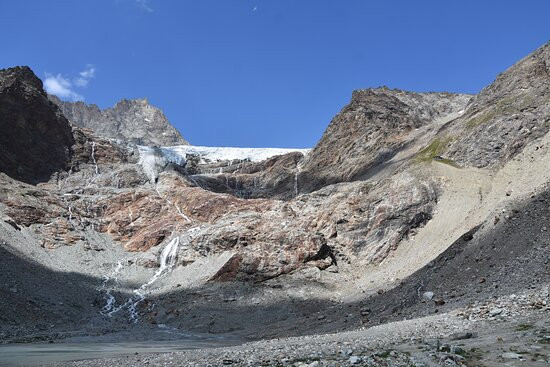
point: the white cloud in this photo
(85, 76)
(144, 4)
(64, 87)
(89, 72)
(61, 87)
(81, 82)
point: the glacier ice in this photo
(154, 159)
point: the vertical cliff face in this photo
(133, 120)
(35, 138)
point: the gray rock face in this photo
(35, 138)
(369, 131)
(508, 114)
(360, 140)
(135, 121)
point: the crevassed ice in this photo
(154, 159)
(216, 154)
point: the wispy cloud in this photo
(65, 87)
(61, 87)
(85, 76)
(144, 4)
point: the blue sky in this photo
(264, 72)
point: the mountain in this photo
(424, 206)
(36, 138)
(371, 130)
(133, 120)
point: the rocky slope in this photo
(506, 116)
(370, 131)
(134, 121)
(404, 194)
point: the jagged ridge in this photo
(134, 121)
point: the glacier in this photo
(216, 154)
(154, 159)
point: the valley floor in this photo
(509, 331)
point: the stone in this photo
(497, 115)
(354, 360)
(463, 335)
(511, 355)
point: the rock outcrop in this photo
(369, 131)
(508, 114)
(134, 121)
(36, 138)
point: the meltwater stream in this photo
(168, 258)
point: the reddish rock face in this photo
(139, 220)
(362, 221)
(106, 191)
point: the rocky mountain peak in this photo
(20, 78)
(132, 120)
(376, 125)
(125, 104)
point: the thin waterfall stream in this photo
(167, 260)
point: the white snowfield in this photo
(153, 159)
(216, 154)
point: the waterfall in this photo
(296, 183)
(169, 255)
(70, 214)
(168, 258)
(110, 300)
(93, 158)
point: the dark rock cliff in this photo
(36, 138)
